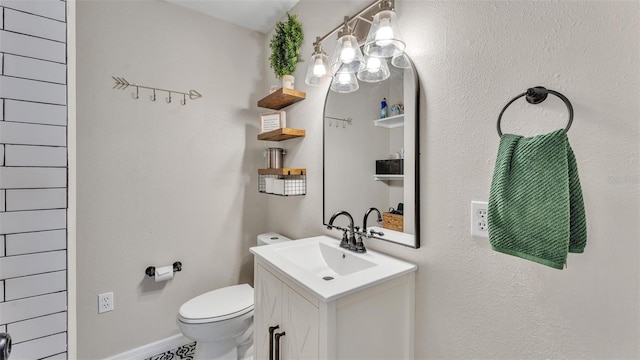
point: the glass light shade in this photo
(401, 62)
(375, 71)
(318, 69)
(344, 82)
(384, 39)
(348, 56)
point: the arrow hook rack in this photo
(122, 83)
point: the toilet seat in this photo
(218, 305)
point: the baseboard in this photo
(178, 346)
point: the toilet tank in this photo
(271, 238)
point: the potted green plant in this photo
(285, 49)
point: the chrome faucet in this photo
(366, 216)
(359, 244)
(347, 243)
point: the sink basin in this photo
(321, 266)
(323, 259)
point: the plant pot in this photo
(288, 81)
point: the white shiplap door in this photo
(33, 177)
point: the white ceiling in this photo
(259, 15)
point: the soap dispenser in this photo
(383, 108)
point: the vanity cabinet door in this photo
(276, 304)
(300, 319)
(267, 310)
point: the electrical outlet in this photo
(105, 302)
(479, 224)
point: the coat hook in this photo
(122, 84)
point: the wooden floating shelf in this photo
(283, 171)
(281, 134)
(281, 98)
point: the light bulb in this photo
(318, 68)
(348, 52)
(347, 57)
(373, 64)
(344, 82)
(344, 78)
(377, 70)
(384, 35)
(384, 38)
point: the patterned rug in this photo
(184, 352)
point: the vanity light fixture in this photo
(344, 82)
(376, 70)
(384, 39)
(347, 56)
(318, 66)
(401, 61)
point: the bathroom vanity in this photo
(315, 300)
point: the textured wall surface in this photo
(162, 182)
(159, 183)
(472, 58)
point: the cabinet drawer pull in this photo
(278, 336)
(271, 330)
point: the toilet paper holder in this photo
(151, 270)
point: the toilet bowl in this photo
(221, 320)
(216, 320)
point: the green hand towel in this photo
(536, 210)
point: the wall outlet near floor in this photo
(105, 302)
(479, 224)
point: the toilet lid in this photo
(217, 305)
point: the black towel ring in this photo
(536, 95)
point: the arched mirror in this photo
(371, 161)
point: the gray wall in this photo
(162, 182)
(472, 57)
(33, 177)
(158, 183)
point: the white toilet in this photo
(221, 320)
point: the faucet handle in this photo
(344, 243)
(373, 232)
(352, 239)
(359, 245)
